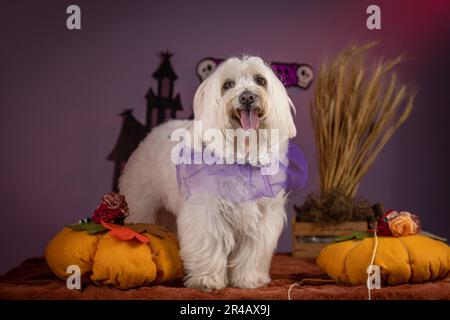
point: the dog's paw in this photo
(250, 281)
(205, 282)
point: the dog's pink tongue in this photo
(249, 119)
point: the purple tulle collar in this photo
(239, 183)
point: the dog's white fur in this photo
(221, 243)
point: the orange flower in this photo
(124, 233)
(402, 225)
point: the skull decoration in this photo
(205, 67)
(305, 76)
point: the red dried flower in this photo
(112, 209)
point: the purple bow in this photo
(239, 183)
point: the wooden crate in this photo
(304, 232)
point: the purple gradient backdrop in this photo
(61, 92)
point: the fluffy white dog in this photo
(221, 243)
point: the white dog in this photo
(221, 243)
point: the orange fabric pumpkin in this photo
(415, 258)
(110, 261)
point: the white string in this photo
(290, 288)
(372, 260)
(374, 252)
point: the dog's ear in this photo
(199, 99)
(206, 102)
(282, 108)
(292, 129)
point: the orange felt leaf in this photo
(124, 233)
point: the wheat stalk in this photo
(355, 112)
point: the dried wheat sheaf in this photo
(354, 113)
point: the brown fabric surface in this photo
(34, 280)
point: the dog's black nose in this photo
(247, 98)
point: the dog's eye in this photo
(260, 81)
(228, 84)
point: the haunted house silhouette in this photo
(160, 104)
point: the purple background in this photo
(61, 92)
